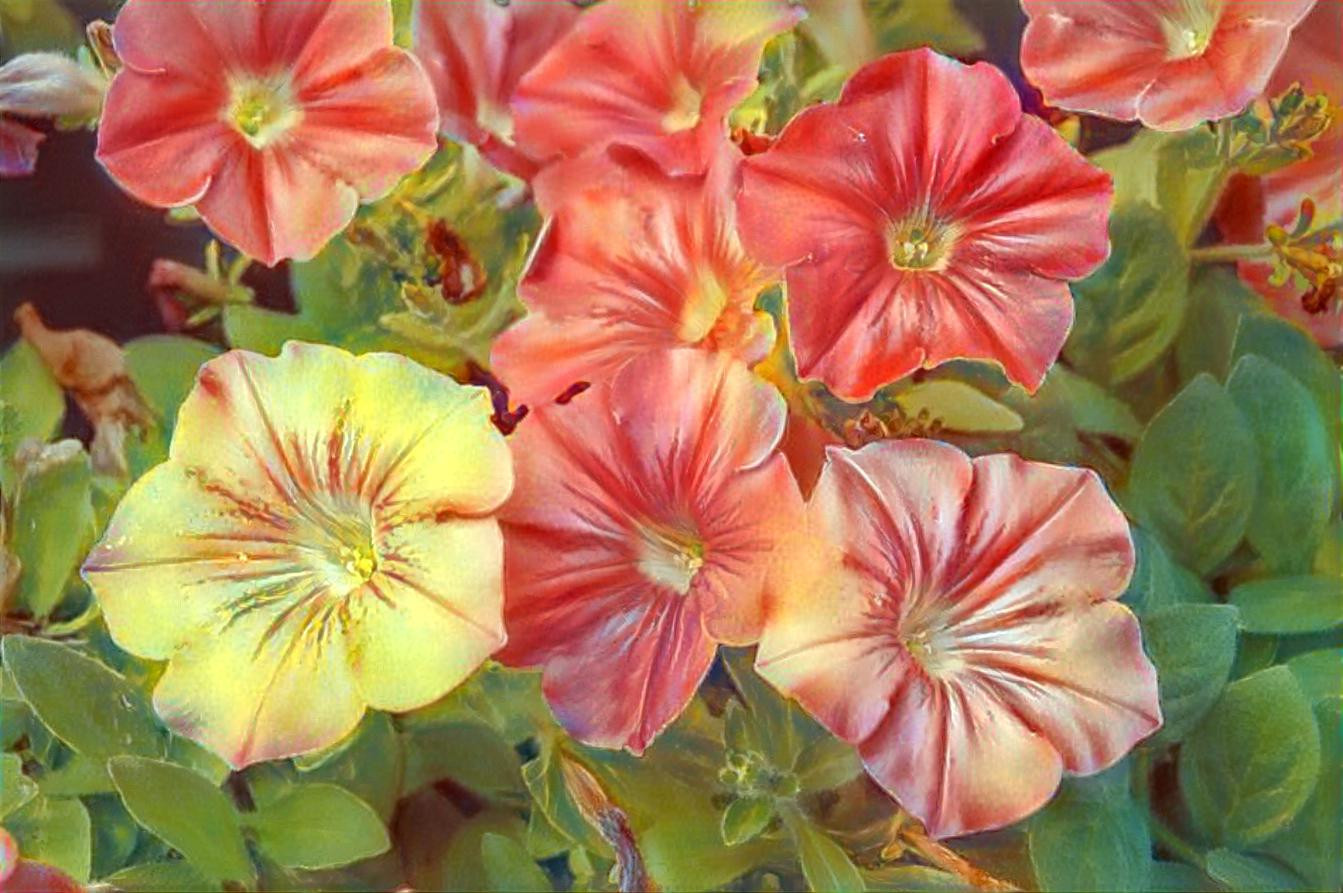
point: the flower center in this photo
(919, 243)
(671, 559)
(1189, 29)
(704, 305)
(685, 108)
(360, 562)
(263, 110)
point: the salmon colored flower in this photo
(1314, 61)
(661, 77)
(475, 52)
(960, 627)
(321, 539)
(275, 118)
(633, 260)
(645, 518)
(1170, 64)
(924, 218)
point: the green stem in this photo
(1219, 254)
(1162, 834)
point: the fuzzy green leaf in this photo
(318, 826)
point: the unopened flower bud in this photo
(49, 85)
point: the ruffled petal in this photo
(162, 138)
(371, 126)
(436, 614)
(246, 690)
(322, 43)
(198, 40)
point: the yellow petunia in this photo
(321, 540)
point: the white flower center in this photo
(671, 559)
(262, 110)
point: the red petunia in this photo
(633, 260)
(275, 118)
(661, 77)
(1170, 64)
(475, 52)
(956, 620)
(923, 218)
(639, 536)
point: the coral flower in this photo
(321, 539)
(960, 627)
(1313, 60)
(1170, 64)
(644, 521)
(661, 77)
(275, 118)
(633, 260)
(924, 219)
(475, 52)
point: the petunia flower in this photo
(1170, 64)
(1314, 61)
(633, 260)
(661, 77)
(475, 52)
(960, 627)
(321, 540)
(275, 118)
(639, 536)
(924, 218)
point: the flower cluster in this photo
(332, 532)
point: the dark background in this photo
(78, 248)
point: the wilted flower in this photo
(320, 539)
(960, 627)
(275, 118)
(41, 85)
(633, 260)
(645, 518)
(924, 218)
(661, 77)
(475, 52)
(1170, 65)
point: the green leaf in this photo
(508, 867)
(907, 24)
(913, 879)
(1131, 309)
(77, 776)
(1241, 871)
(115, 833)
(1251, 764)
(545, 783)
(1158, 582)
(1286, 605)
(16, 788)
(28, 388)
(1193, 648)
(265, 331)
(1295, 495)
(958, 407)
(369, 765)
(187, 812)
(160, 877)
(827, 763)
(825, 865)
(318, 826)
(745, 818)
(1218, 301)
(163, 368)
(53, 524)
(1194, 475)
(471, 754)
(55, 831)
(86, 705)
(1311, 843)
(1294, 351)
(1177, 877)
(1320, 673)
(185, 752)
(1176, 172)
(1090, 838)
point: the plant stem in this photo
(1217, 254)
(911, 834)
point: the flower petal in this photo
(193, 39)
(246, 690)
(437, 613)
(319, 43)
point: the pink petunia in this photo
(1314, 60)
(475, 52)
(1170, 64)
(640, 535)
(960, 627)
(275, 118)
(633, 260)
(924, 218)
(661, 77)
